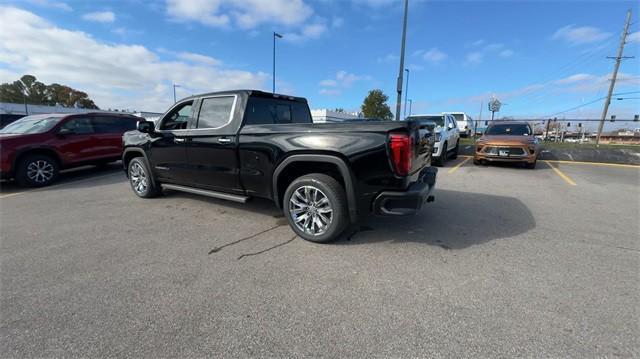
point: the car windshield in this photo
(437, 120)
(32, 124)
(510, 130)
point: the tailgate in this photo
(423, 143)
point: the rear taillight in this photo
(401, 152)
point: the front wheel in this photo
(37, 171)
(454, 153)
(316, 207)
(140, 179)
(531, 165)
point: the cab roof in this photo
(247, 93)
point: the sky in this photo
(540, 58)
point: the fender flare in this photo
(342, 167)
(143, 154)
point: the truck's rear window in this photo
(262, 111)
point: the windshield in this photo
(438, 120)
(31, 124)
(459, 117)
(513, 130)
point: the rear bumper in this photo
(397, 203)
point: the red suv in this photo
(33, 149)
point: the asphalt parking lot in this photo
(508, 262)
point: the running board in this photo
(204, 192)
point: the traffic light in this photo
(613, 118)
(568, 124)
(580, 124)
(636, 118)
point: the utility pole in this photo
(410, 104)
(174, 92)
(275, 35)
(406, 93)
(404, 36)
(475, 123)
(618, 59)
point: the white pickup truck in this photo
(447, 136)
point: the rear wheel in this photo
(316, 207)
(37, 171)
(531, 165)
(140, 179)
(476, 162)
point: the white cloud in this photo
(375, 3)
(100, 16)
(576, 78)
(329, 83)
(479, 42)
(474, 58)
(506, 53)
(634, 37)
(198, 58)
(388, 58)
(343, 79)
(580, 35)
(114, 75)
(434, 56)
(51, 4)
(246, 14)
(312, 31)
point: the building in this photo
(10, 112)
(325, 115)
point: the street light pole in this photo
(174, 92)
(406, 93)
(404, 36)
(410, 104)
(275, 35)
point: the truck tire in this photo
(140, 179)
(454, 153)
(316, 207)
(37, 171)
(440, 161)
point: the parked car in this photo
(35, 148)
(465, 123)
(447, 136)
(236, 145)
(507, 142)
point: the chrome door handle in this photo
(224, 140)
(179, 140)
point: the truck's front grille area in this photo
(504, 151)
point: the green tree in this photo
(34, 92)
(375, 106)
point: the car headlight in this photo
(438, 136)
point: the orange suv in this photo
(507, 142)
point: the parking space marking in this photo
(57, 185)
(561, 174)
(595, 163)
(453, 169)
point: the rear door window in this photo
(106, 124)
(215, 112)
(78, 126)
(262, 111)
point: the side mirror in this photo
(66, 131)
(145, 126)
(450, 126)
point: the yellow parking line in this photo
(453, 169)
(594, 163)
(561, 174)
(11, 194)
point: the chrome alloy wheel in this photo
(40, 171)
(138, 178)
(310, 210)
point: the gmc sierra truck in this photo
(235, 145)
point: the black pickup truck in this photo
(236, 145)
